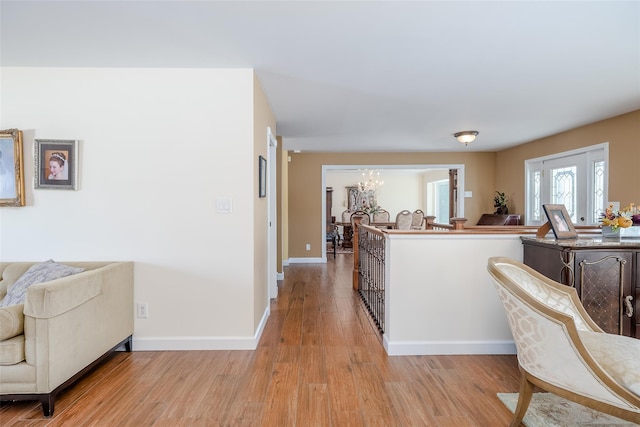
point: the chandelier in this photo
(370, 181)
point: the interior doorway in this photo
(435, 189)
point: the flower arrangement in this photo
(370, 208)
(618, 218)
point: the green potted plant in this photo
(500, 203)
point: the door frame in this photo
(326, 168)
(272, 217)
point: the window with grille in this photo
(576, 179)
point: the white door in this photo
(562, 181)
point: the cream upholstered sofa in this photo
(65, 327)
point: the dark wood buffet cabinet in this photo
(606, 275)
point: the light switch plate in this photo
(224, 206)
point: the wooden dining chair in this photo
(382, 215)
(346, 215)
(366, 219)
(403, 220)
(417, 219)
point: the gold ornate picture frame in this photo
(11, 168)
(56, 164)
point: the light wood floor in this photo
(319, 363)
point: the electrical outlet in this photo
(308, 247)
(143, 310)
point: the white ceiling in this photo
(367, 75)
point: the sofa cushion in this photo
(11, 321)
(12, 350)
(37, 273)
(617, 355)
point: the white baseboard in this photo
(280, 276)
(432, 348)
(307, 260)
(201, 343)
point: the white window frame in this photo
(598, 152)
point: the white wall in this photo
(439, 296)
(157, 148)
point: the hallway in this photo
(341, 356)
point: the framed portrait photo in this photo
(11, 168)
(560, 221)
(262, 180)
(56, 164)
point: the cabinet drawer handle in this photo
(628, 305)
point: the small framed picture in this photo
(560, 221)
(262, 173)
(11, 168)
(56, 164)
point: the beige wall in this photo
(263, 119)
(484, 174)
(621, 132)
(306, 192)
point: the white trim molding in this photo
(201, 343)
(429, 348)
(307, 260)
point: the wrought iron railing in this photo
(371, 272)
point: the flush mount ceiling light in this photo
(466, 136)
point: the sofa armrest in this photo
(50, 299)
(11, 321)
(72, 321)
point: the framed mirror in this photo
(11, 168)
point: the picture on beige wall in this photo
(262, 180)
(11, 168)
(56, 164)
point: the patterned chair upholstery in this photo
(561, 349)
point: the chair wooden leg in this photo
(524, 398)
(334, 246)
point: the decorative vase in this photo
(502, 210)
(609, 232)
(636, 219)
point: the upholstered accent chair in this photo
(404, 219)
(560, 348)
